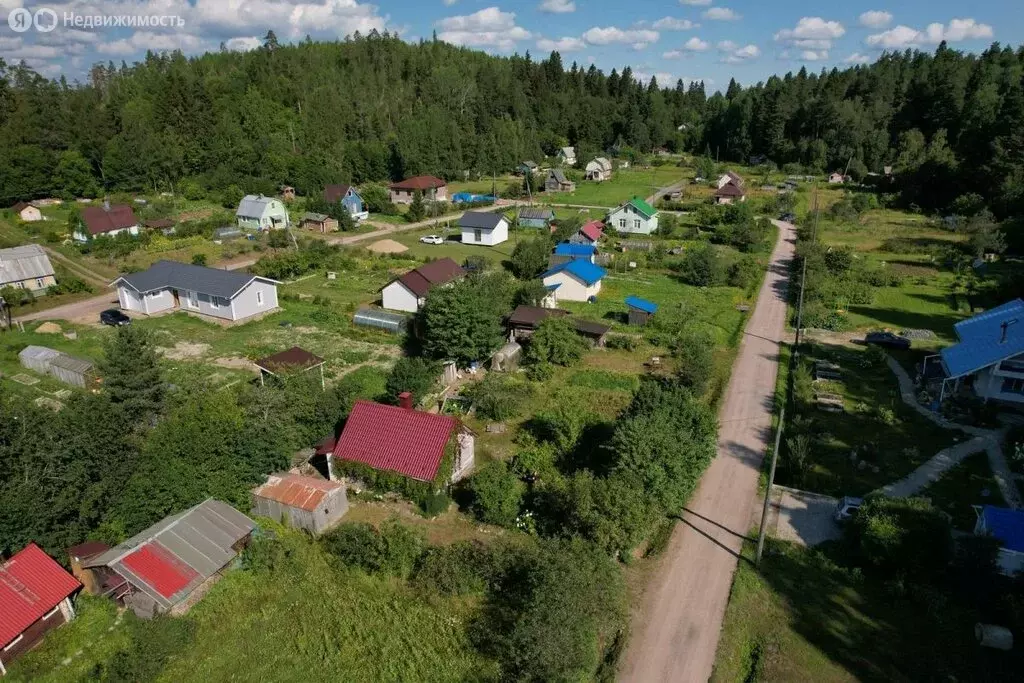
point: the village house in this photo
(1007, 526)
(301, 502)
(635, 216)
(575, 280)
(567, 251)
(484, 228)
(35, 598)
(165, 225)
(525, 320)
(319, 222)
(989, 356)
(590, 232)
(350, 199)
(730, 193)
(256, 212)
(409, 292)
(27, 267)
(405, 441)
(433, 189)
(106, 221)
(170, 566)
(527, 168)
(836, 178)
(566, 156)
(530, 217)
(225, 294)
(27, 212)
(599, 169)
(557, 182)
(730, 177)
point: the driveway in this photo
(676, 629)
(802, 517)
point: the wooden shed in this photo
(301, 502)
(640, 310)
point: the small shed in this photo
(301, 502)
(288, 362)
(227, 233)
(320, 222)
(593, 331)
(375, 317)
(70, 370)
(531, 217)
(640, 310)
(37, 358)
(506, 359)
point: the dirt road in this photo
(675, 633)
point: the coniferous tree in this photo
(131, 372)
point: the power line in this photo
(768, 491)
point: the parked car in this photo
(114, 318)
(847, 508)
(787, 217)
(432, 239)
(888, 340)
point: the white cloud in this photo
(812, 28)
(610, 35)
(449, 3)
(565, 44)
(695, 44)
(557, 6)
(895, 38)
(663, 77)
(489, 27)
(902, 37)
(734, 54)
(243, 44)
(721, 14)
(672, 54)
(9, 43)
(695, 3)
(673, 24)
(814, 55)
(147, 40)
(875, 19)
(289, 19)
(857, 58)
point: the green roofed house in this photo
(635, 216)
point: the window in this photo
(477, 234)
(193, 302)
(636, 224)
(622, 222)
(259, 297)
(39, 282)
(1012, 385)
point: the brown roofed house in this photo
(433, 189)
(730, 193)
(408, 292)
(107, 221)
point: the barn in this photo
(301, 502)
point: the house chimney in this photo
(405, 400)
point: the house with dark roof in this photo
(730, 177)
(989, 356)
(525, 320)
(635, 216)
(557, 182)
(169, 566)
(1007, 526)
(404, 441)
(301, 502)
(534, 217)
(26, 267)
(349, 198)
(432, 189)
(256, 212)
(485, 228)
(106, 221)
(35, 598)
(225, 294)
(730, 193)
(409, 292)
(27, 212)
(575, 280)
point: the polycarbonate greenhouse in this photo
(374, 317)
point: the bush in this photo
(902, 536)
(530, 258)
(623, 342)
(394, 549)
(695, 362)
(555, 341)
(497, 494)
(701, 267)
(418, 376)
(500, 397)
(745, 273)
(457, 569)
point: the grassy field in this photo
(624, 185)
(969, 483)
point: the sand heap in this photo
(387, 247)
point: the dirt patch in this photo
(387, 247)
(49, 328)
(195, 215)
(183, 350)
(448, 527)
(306, 329)
(235, 363)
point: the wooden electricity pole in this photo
(768, 491)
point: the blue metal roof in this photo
(1005, 524)
(641, 304)
(981, 340)
(574, 250)
(582, 270)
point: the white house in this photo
(409, 292)
(27, 212)
(484, 228)
(836, 178)
(225, 294)
(256, 212)
(567, 156)
(635, 216)
(989, 355)
(599, 169)
(576, 280)
(106, 221)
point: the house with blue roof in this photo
(640, 310)
(1008, 526)
(989, 355)
(574, 280)
(570, 252)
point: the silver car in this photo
(847, 508)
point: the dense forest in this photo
(376, 108)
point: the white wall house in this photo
(27, 212)
(567, 156)
(576, 280)
(635, 216)
(989, 356)
(224, 294)
(256, 212)
(106, 221)
(409, 292)
(483, 228)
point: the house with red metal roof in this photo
(106, 221)
(301, 502)
(432, 189)
(169, 566)
(35, 598)
(405, 441)
(590, 232)
(409, 292)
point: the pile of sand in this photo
(49, 328)
(387, 247)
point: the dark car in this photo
(114, 318)
(888, 340)
(787, 217)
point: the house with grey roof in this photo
(557, 182)
(26, 267)
(169, 566)
(484, 228)
(567, 156)
(225, 294)
(256, 212)
(599, 169)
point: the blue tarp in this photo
(585, 271)
(641, 304)
(469, 198)
(1005, 524)
(982, 341)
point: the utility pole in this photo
(803, 273)
(768, 491)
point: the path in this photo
(675, 633)
(936, 466)
(77, 268)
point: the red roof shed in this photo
(31, 585)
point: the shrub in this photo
(530, 257)
(901, 536)
(418, 376)
(457, 569)
(694, 354)
(393, 549)
(624, 342)
(500, 397)
(798, 452)
(701, 266)
(745, 273)
(555, 341)
(497, 494)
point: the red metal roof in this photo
(420, 280)
(406, 441)
(99, 220)
(295, 490)
(159, 568)
(420, 182)
(31, 584)
(593, 230)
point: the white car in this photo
(847, 508)
(432, 239)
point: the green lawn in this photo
(453, 247)
(969, 483)
(623, 186)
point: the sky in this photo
(708, 40)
